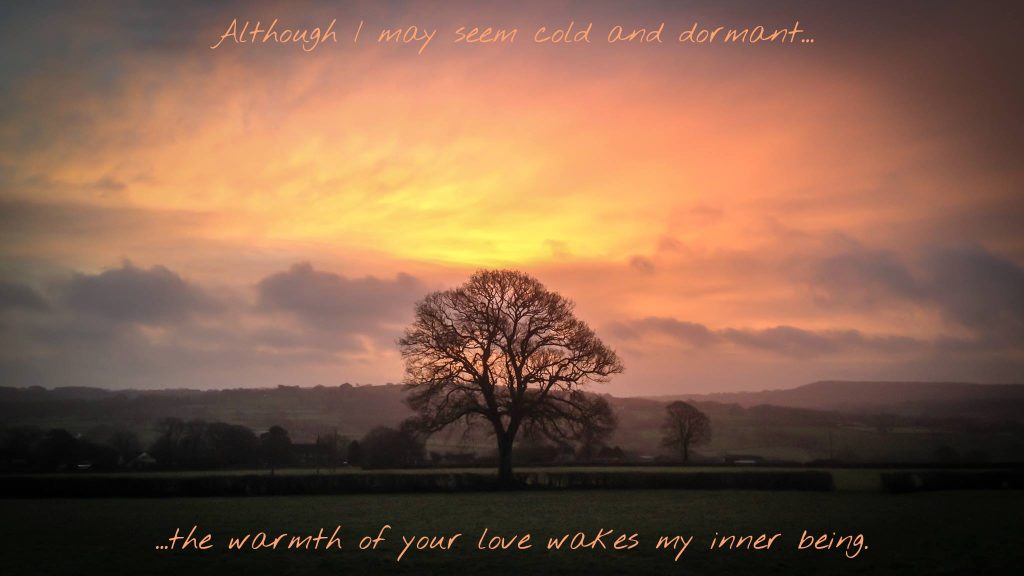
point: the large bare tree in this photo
(684, 426)
(504, 350)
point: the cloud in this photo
(149, 327)
(978, 289)
(81, 232)
(785, 341)
(689, 333)
(967, 285)
(332, 302)
(14, 295)
(797, 342)
(152, 296)
(642, 264)
(864, 278)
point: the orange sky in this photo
(726, 217)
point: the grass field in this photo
(845, 479)
(926, 533)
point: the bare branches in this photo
(504, 348)
(685, 426)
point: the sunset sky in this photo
(726, 217)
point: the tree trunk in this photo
(686, 452)
(505, 477)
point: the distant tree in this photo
(611, 453)
(276, 446)
(198, 444)
(96, 456)
(58, 450)
(329, 445)
(19, 446)
(596, 429)
(166, 449)
(192, 446)
(685, 426)
(385, 447)
(504, 350)
(126, 443)
(354, 454)
(230, 445)
(106, 447)
(533, 449)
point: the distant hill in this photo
(852, 421)
(907, 398)
(351, 410)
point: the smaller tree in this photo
(329, 448)
(126, 443)
(277, 447)
(58, 450)
(685, 426)
(385, 447)
(355, 454)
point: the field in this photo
(934, 533)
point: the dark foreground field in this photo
(970, 532)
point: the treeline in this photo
(179, 445)
(200, 445)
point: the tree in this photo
(503, 350)
(230, 445)
(385, 447)
(596, 431)
(329, 446)
(277, 447)
(167, 447)
(58, 450)
(126, 443)
(685, 426)
(355, 453)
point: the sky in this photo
(726, 217)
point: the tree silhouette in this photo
(329, 447)
(385, 447)
(277, 447)
(354, 456)
(685, 426)
(504, 350)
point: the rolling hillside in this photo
(849, 421)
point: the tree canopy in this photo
(505, 350)
(685, 426)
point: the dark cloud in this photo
(980, 290)
(967, 89)
(797, 342)
(968, 286)
(864, 278)
(132, 294)
(780, 340)
(81, 229)
(689, 333)
(332, 302)
(306, 325)
(20, 219)
(14, 295)
(642, 264)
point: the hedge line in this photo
(141, 486)
(915, 481)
